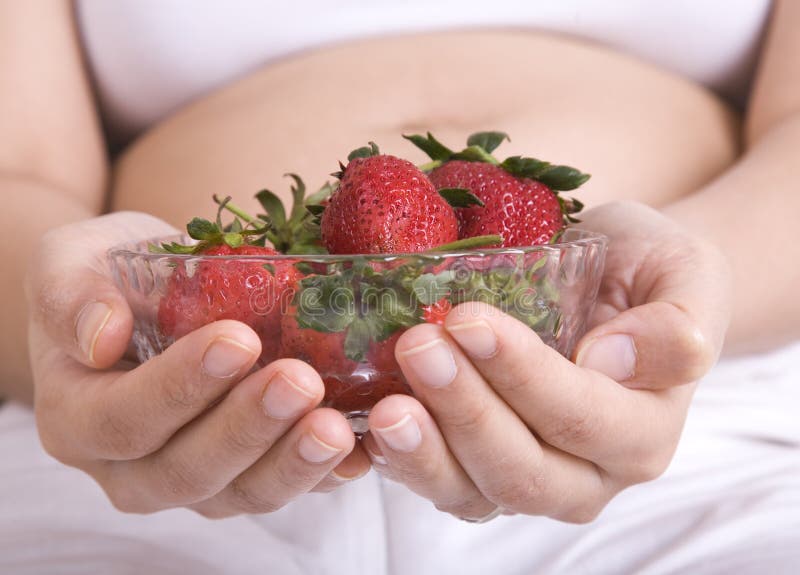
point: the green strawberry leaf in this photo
(303, 249)
(233, 239)
(172, 248)
(562, 178)
(200, 229)
(357, 340)
(431, 146)
(570, 205)
(364, 152)
(315, 209)
(487, 140)
(430, 288)
(273, 205)
(322, 194)
(460, 197)
(324, 303)
(525, 167)
(475, 154)
(537, 265)
(270, 268)
(234, 227)
(298, 197)
(304, 268)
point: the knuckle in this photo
(577, 427)
(517, 377)
(697, 352)
(247, 501)
(521, 495)
(179, 392)
(238, 437)
(115, 439)
(416, 471)
(293, 477)
(469, 418)
(182, 482)
(700, 354)
(46, 295)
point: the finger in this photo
(661, 320)
(208, 453)
(651, 346)
(127, 415)
(298, 462)
(74, 302)
(405, 436)
(355, 466)
(579, 411)
(495, 448)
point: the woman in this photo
(502, 423)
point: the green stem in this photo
(430, 166)
(240, 213)
(470, 243)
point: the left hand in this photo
(500, 420)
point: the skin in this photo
(666, 285)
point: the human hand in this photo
(191, 427)
(504, 422)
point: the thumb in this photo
(655, 345)
(74, 302)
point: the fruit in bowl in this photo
(338, 279)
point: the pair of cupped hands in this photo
(499, 421)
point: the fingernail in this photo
(374, 452)
(403, 436)
(345, 478)
(314, 450)
(613, 355)
(284, 399)
(92, 318)
(432, 363)
(377, 457)
(225, 357)
(476, 337)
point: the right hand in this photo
(191, 427)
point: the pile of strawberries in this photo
(380, 204)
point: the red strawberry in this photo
(381, 353)
(523, 211)
(242, 290)
(324, 351)
(385, 205)
(519, 195)
(435, 313)
(350, 386)
(222, 285)
(359, 393)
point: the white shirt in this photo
(150, 57)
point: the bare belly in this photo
(642, 133)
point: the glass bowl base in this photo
(358, 422)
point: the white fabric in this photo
(150, 57)
(730, 503)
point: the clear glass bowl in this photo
(343, 314)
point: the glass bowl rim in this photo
(586, 238)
